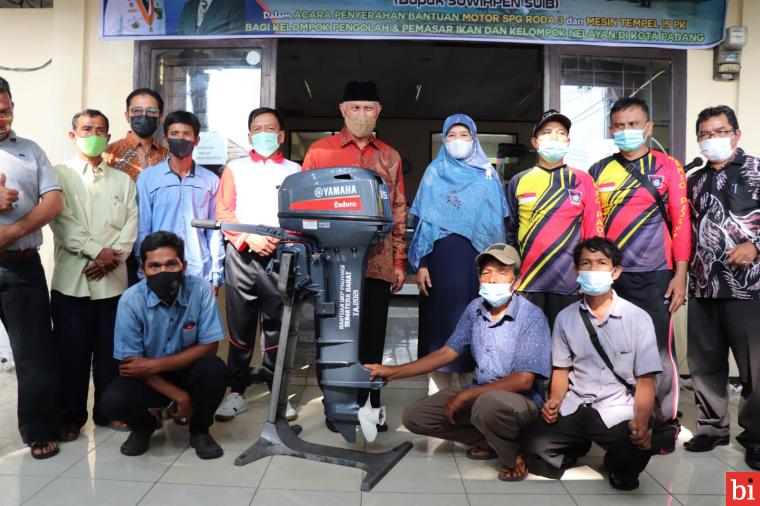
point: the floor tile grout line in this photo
(162, 475)
(52, 479)
(461, 478)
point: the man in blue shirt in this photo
(174, 192)
(509, 339)
(167, 333)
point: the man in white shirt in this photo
(248, 194)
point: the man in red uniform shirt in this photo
(643, 197)
(356, 146)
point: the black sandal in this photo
(136, 444)
(69, 432)
(205, 446)
(41, 445)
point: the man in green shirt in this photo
(93, 236)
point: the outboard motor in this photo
(330, 220)
(346, 212)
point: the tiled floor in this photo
(92, 471)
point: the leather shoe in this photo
(704, 443)
(752, 457)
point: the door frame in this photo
(553, 53)
(143, 61)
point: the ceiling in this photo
(488, 82)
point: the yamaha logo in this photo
(335, 191)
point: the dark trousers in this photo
(128, 399)
(375, 301)
(647, 290)
(550, 303)
(25, 313)
(83, 330)
(252, 298)
(571, 436)
(714, 327)
(494, 420)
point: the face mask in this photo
(360, 126)
(92, 146)
(595, 282)
(629, 140)
(180, 147)
(552, 151)
(459, 148)
(165, 284)
(717, 149)
(144, 125)
(496, 294)
(265, 143)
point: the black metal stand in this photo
(280, 438)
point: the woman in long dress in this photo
(459, 211)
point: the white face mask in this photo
(459, 148)
(717, 149)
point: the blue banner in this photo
(652, 23)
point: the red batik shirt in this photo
(340, 150)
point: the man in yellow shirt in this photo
(93, 236)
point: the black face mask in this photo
(144, 126)
(166, 284)
(180, 147)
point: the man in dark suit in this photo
(204, 17)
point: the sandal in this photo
(481, 454)
(205, 446)
(118, 426)
(136, 444)
(68, 432)
(42, 445)
(507, 473)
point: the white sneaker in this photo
(232, 406)
(290, 413)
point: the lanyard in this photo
(150, 15)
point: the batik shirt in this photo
(632, 219)
(550, 211)
(725, 212)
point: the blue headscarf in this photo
(462, 197)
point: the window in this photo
(584, 82)
(218, 82)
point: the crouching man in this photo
(167, 333)
(509, 339)
(606, 400)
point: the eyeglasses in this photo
(139, 111)
(704, 135)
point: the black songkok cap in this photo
(360, 91)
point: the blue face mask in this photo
(552, 151)
(595, 282)
(496, 294)
(629, 140)
(265, 143)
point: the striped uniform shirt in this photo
(632, 219)
(550, 211)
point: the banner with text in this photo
(653, 23)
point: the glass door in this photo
(218, 81)
(586, 81)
